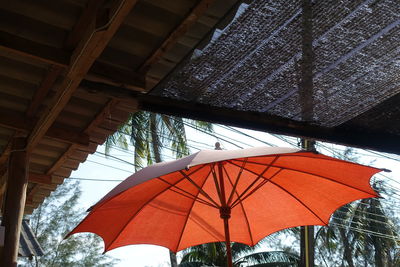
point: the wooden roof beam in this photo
(44, 88)
(178, 32)
(87, 51)
(251, 120)
(269, 123)
(18, 122)
(88, 15)
(105, 73)
(58, 58)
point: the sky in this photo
(111, 171)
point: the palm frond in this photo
(192, 264)
(279, 258)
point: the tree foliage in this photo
(150, 134)
(214, 254)
(361, 233)
(51, 222)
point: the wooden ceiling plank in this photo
(83, 57)
(102, 72)
(44, 88)
(39, 178)
(60, 161)
(60, 59)
(31, 193)
(39, 52)
(100, 117)
(178, 32)
(15, 121)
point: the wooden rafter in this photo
(82, 59)
(101, 116)
(31, 193)
(88, 16)
(20, 123)
(60, 58)
(178, 32)
(105, 73)
(44, 88)
(39, 178)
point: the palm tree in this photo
(214, 254)
(150, 134)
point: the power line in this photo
(363, 218)
(396, 238)
(109, 166)
(245, 134)
(94, 180)
(211, 134)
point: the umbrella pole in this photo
(225, 214)
(228, 243)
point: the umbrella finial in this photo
(217, 146)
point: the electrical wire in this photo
(94, 180)
(396, 238)
(364, 219)
(108, 166)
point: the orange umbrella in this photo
(219, 195)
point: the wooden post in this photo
(225, 213)
(15, 201)
(307, 232)
(307, 246)
(306, 99)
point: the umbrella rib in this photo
(241, 203)
(144, 205)
(314, 174)
(328, 159)
(266, 180)
(292, 195)
(236, 182)
(198, 187)
(217, 187)
(188, 214)
(258, 177)
(298, 200)
(189, 195)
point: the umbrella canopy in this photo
(219, 195)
